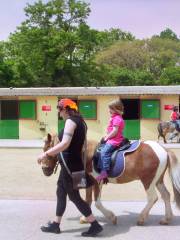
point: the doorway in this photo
(9, 122)
(132, 118)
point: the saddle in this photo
(125, 144)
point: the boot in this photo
(94, 229)
(103, 175)
(52, 227)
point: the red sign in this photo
(168, 107)
(46, 108)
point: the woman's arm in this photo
(69, 129)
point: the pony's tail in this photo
(174, 171)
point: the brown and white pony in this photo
(148, 164)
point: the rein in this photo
(56, 167)
(51, 158)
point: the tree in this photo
(48, 45)
(108, 37)
(140, 62)
(170, 75)
(54, 46)
(168, 34)
(6, 72)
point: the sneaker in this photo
(103, 175)
(52, 227)
(94, 229)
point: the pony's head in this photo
(49, 163)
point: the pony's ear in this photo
(49, 137)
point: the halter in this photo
(50, 163)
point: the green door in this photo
(9, 129)
(9, 123)
(60, 124)
(132, 118)
(132, 129)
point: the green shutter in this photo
(88, 109)
(27, 109)
(9, 129)
(150, 109)
(61, 124)
(132, 129)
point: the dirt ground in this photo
(22, 178)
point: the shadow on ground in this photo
(125, 223)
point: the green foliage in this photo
(170, 75)
(46, 49)
(6, 72)
(168, 34)
(129, 77)
(108, 37)
(141, 62)
(56, 47)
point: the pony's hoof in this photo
(164, 222)
(83, 220)
(140, 223)
(114, 220)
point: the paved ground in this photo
(18, 143)
(21, 219)
(38, 143)
(22, 178)
(27, 200)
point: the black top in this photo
(73, 154)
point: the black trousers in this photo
(64, 189)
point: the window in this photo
(150, 109)
(88, 108)
(27, 109)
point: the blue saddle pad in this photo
(119, 165)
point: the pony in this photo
(148, 164)
(165, 128)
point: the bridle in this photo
(49, 164)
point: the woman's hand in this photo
(41, 157)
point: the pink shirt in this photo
(174, 116)
(116, 120)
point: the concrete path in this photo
(18, 143)
(21, 219)
(38, 143)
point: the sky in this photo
(143, 18)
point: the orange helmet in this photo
(66, 102)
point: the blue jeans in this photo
(106, 153)
(177, 125)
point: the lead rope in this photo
(84, 157)
(56, 167)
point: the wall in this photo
(168, 100)
(148, 127)
(30, 129)
(97, 128)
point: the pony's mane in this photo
(91, 146)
